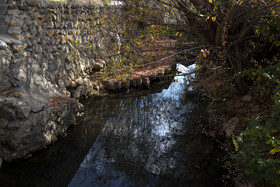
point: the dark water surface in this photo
(151, 140)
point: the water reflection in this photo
(143, 145)
(152, 140)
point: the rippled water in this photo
(151, 140)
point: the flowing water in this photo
(150, 140)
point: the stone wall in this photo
(3, 11)
(42, 47)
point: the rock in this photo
(63, 39)
(241, 85)
(230, 126)
(14, 30)
(110, 86)
(167, 71)
(49, 25)
(146, 83)
(16, 22)
(63, 32)
(133, 83)
(18, 37)
(246, 98)
(3, 7)
(1, 161)
(95, 86)
(125, 85)
(138, 82)
(23, 112)
(20, 74)
(14, 125)
(50, 32)
(98, 65)
(3, 45)
(40, 23)
(3, 123)
(52, 17)
(14, 12)
(118, 85)
(8, 40)
(56, 31)
(19, 48)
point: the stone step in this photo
(3, 9)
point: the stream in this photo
(149, 140)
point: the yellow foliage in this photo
(275, 150)
(235, 143)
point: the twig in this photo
(194, 48)
(274, 43)
(171, 75)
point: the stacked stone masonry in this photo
(40, 62)
(3, 11)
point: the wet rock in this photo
(146, 82)
(246, 98)
(3, 45)
(125, 85)
(230, 126)
(138, 82)
(133, 83)
(167, 71)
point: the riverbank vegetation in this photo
(241, 64)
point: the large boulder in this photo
(30, 121)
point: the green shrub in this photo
(259, 153)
